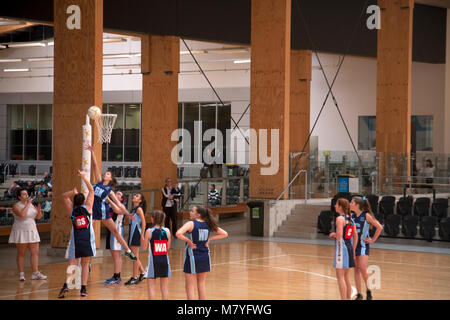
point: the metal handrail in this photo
(292, 181)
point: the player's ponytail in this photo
(206, 215)
(364, 206)
(345, 205)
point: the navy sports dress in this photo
(100, 208)
(82, 237)
(135, 229)
(198, 260)
(158, 259)
(343, 256)
(362, 226)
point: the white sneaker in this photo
(21, 276)
(38, 276)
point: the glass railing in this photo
(377, 173)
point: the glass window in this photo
(367, 133)
(191, 114)
(132, 131)
(15, 122)
(31, 113)
(115, 147)
(208, 118)
(45, 131)
(224, 123)
(423, 132)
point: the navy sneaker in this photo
(132, 281)
(83, 291)
(63, 291)
(113, 280)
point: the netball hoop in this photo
(105, 124)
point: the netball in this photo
(94, 112)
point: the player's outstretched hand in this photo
(89, 147)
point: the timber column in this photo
(160, 68)
(78, 33)
(300, 105)
(269, 97)
(394, 59)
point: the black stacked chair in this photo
(373, 200)
(404, 206)
(427, 225)
(345, 195)
(444, 229)
(324, 222)
(409, 226)
(439, 208)
(392, 225)
(127, 172)
(386, 207)
(139, 172)
(422, 207)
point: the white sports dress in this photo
(24, 229)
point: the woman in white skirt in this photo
(25, 234)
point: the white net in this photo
(105, 124)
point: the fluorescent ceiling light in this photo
(126, 67)
(40, 59)
(116, 56)
(242, 61)
(17, 70)
(51, 43)
(226, 50)
(10, 60)
(2, 46)
(109, 40)
(193, 52)
(25, 44)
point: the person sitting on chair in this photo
(213, 196)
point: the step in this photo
(297, 228)
(300, 219)
(293, 234)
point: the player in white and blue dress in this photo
(346, 239)
(82, 238)
(158, 240)
(111, 241)
(364, 219)
(197, 261)
(137, 227)
(103, 190)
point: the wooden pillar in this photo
(393, 133)
(269, 94)
(299, 127)
(160, 68)
(77, 86)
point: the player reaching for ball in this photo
(102, 189)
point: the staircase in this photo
(301, 223)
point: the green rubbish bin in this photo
(256, 218)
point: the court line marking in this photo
(377, 261)
(102, 281)
(354, 292)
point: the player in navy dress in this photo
(136, 236)
(158, 241)
(197, 260)
(112, 244)
(82, 238)
(346, 240)
(363, 218)
(102, 190)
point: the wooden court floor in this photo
(253, 270)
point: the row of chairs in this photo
(410, 226)
(126, 172)
(403, 207)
